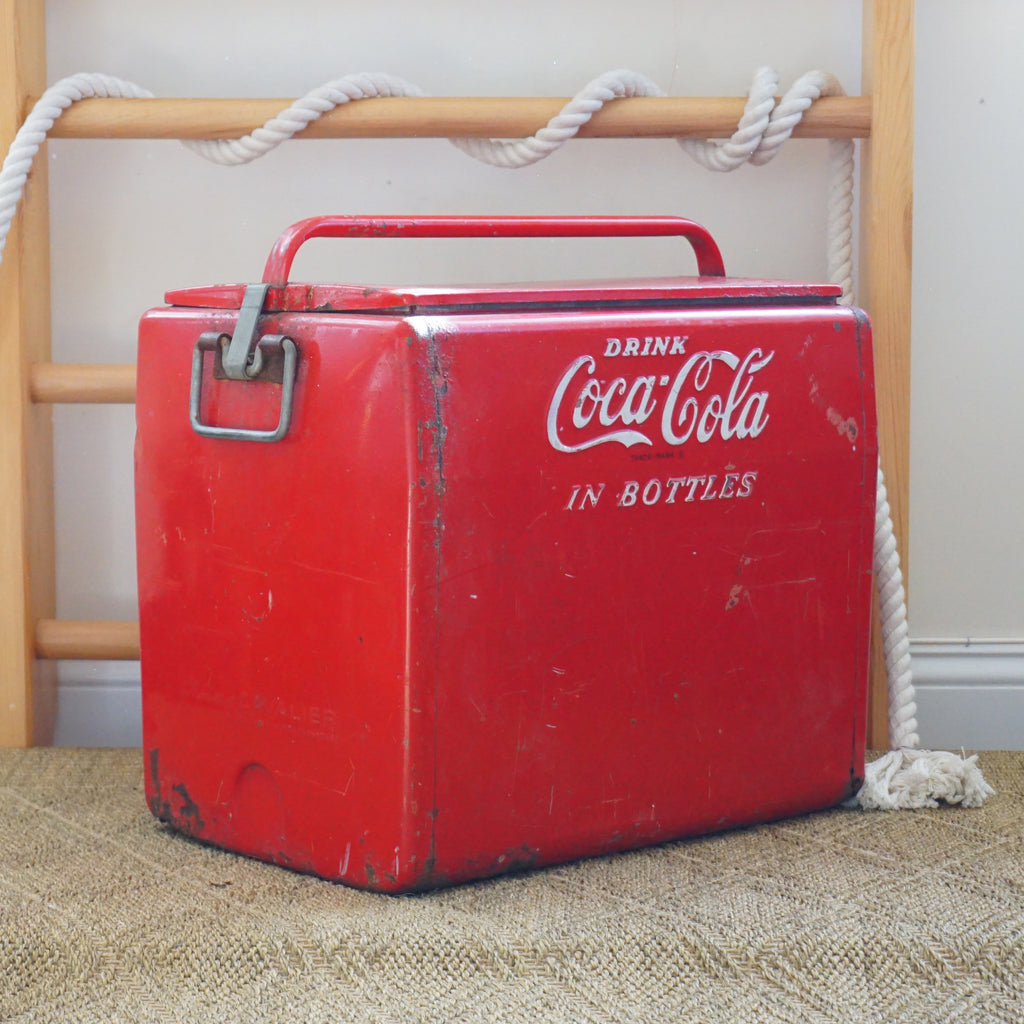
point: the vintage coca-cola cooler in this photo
(437, 583)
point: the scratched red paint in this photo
(536, 572)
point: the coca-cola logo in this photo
(711, 394)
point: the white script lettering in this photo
(691, 407)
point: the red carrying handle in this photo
(279, 263)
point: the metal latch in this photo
(242, 358)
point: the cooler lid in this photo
(634, 293)
(710, 288)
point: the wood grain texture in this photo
(27, 589)
(82, 383)
(444, 117)
(88, 640)
(886, 213)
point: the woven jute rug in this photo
(107, 915)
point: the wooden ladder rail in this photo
(28, 686)
(31, 638)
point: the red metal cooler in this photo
(437, 583)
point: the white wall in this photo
(967, 423)
(133, 219)
(967, 476)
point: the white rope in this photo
(37, 125)
(515, 153)
(892, 604)
(751, 137)
(907, 779)
(362, 86)
(763, 128)
(839, 217)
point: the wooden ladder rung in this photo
(445, 117)
(66, 639)
(82, 382)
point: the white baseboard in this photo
(969, 695)
(99, 704)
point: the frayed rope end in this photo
(907, 778)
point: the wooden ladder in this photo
(32, 639)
